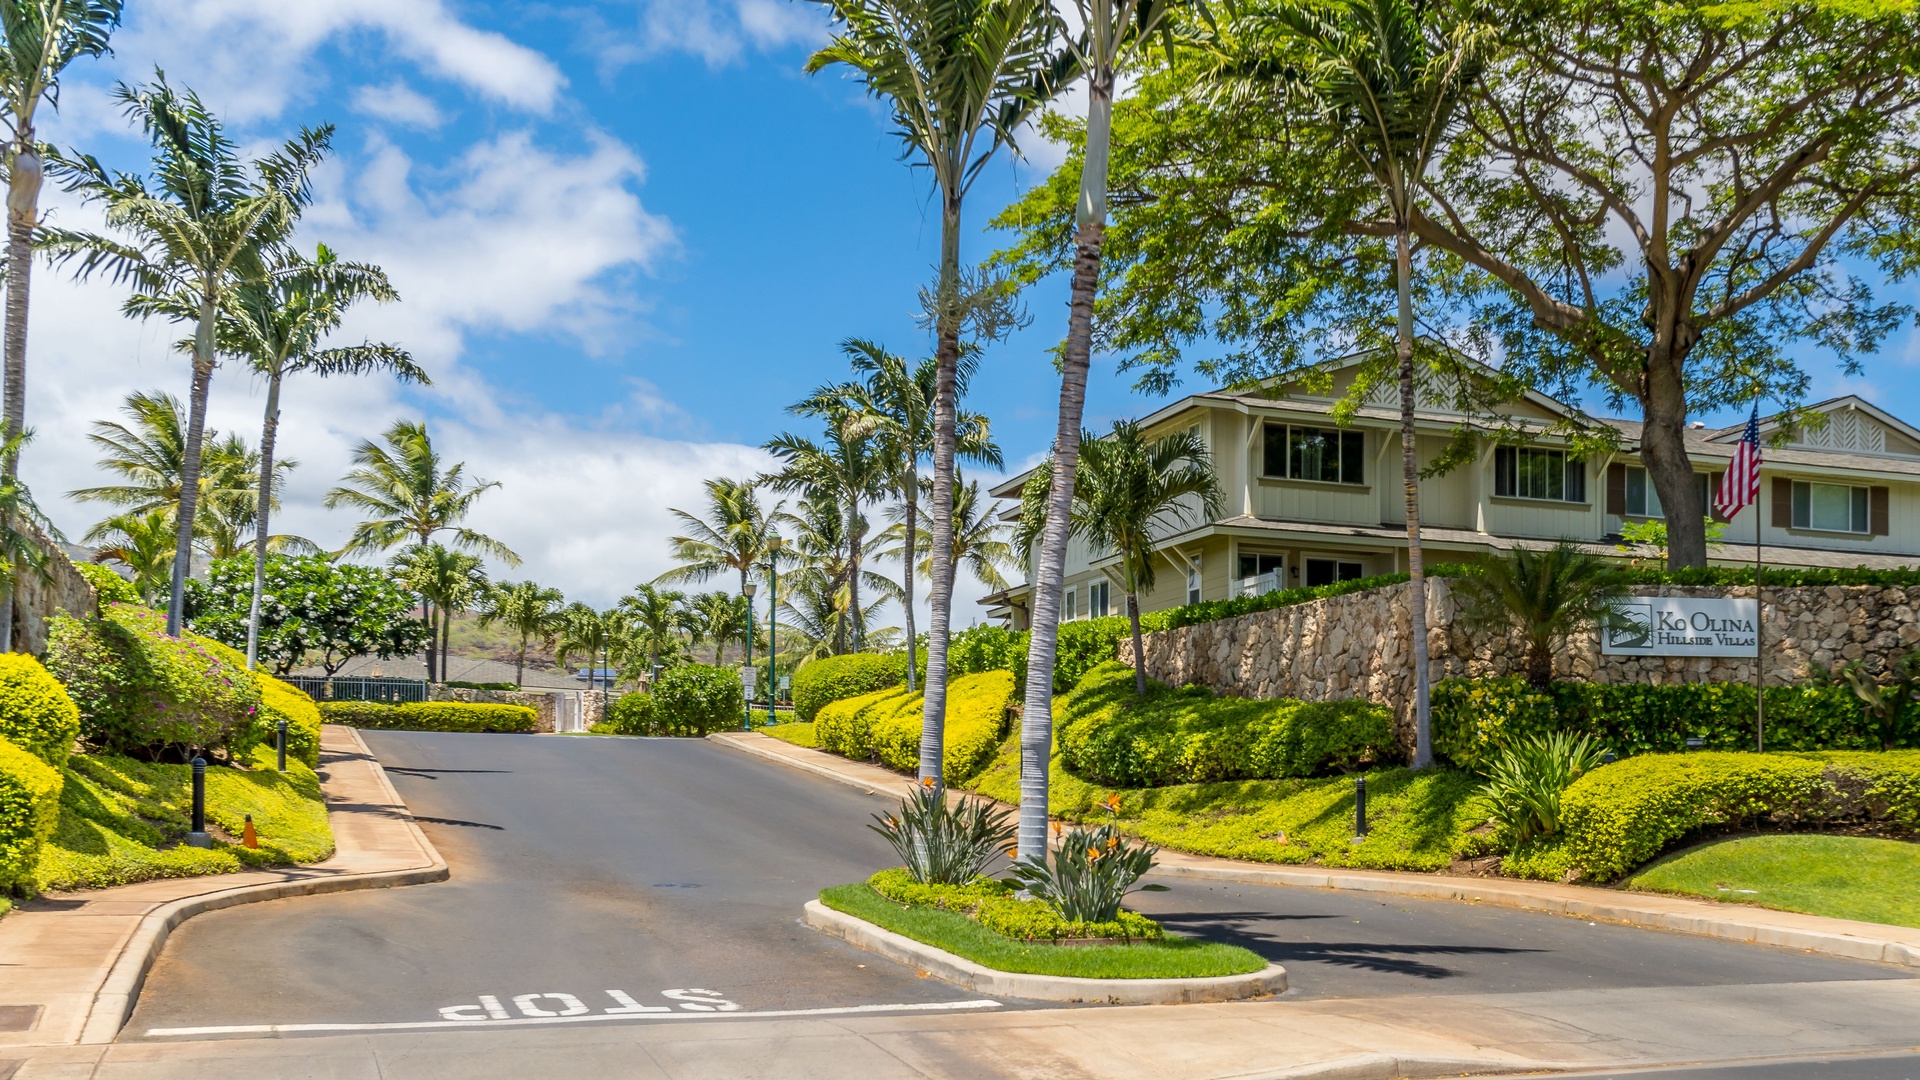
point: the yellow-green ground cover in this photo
(799, 733)
(1842, 877)
(123, 821)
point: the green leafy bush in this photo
(697, 699)
(845, 727)
(1527, 781)
(992, 905)
(1091, 873)
(278, 701)
(108, 586)
(977, 720)
(1214, 610)
(1622, 815)
(456, 684)
(35, 712)
(630, 714)
(29, 812)
(141, 692)
(311, 606)
(836, 678)
(942, 842)
(988, 648)
(432, 716)
(1108, 735)
(1473, 719)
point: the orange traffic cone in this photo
(247, 836)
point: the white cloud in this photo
(262, 52)
(399, 103)
(717, 31)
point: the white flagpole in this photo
(1759, 622)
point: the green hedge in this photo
(885, 725)
(696, 699)
(836, 678)
(35, 712)
(431, 716)
(1620, 816)
(1109, 736)
(1474, 718)
(139, 690)
(29, 811)
(629, 714)
(108, 587)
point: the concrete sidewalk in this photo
(72, 964)
(1738, 922)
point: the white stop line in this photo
(557, 1008)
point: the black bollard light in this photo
(280, 743)
(198, 837)
(1359, 808)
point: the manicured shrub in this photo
(29, 811)
(845, 727)
(630, 714)
(988, 648)
(108, 586)
(432, 716)
(1188, 735)
(836, 678)
(456, 684)
(696, 699)
(141, 692)
(1620, 816)
(35, 712)
(976, 724)
(279, 701)
(1474, 719)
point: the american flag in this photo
(1741, 484)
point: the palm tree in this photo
(960, 76)
(655, 619)
(404, 493)
(229, 502)
(1110, 31)
(143, 543)
(842, 468)
(894, 406)
(1129, 491)
(526, 609)
(592, 633)
(716, 618)
(1386, 78)
(979, 540)
(812, 615)
(449, 582)
(202, 231)
(735, 535)
(278, 324)
(1546, 595)
(42, 38)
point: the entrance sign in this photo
(1681, 626)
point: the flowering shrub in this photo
(1091, 873)
(941, 842)
(144, 694)
(311, 604)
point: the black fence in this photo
(360, 688)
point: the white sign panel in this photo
(1681, 626)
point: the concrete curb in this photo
(113, 1003)
(971, 976)
(732, 740)
(1831, 937)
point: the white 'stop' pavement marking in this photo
(284, 1029)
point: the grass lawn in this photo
(798, 732)
(123, 821)
(1415, 821)
(1173, 958)
(1844, 877)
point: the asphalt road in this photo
(1902, 1067)
(630, 873)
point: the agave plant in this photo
(1527, 779)
(1091, 873)
(945, 843)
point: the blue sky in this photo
(628, 233)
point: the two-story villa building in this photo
(1309, 501)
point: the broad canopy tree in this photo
(315, 608)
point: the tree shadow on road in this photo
(1242, 928)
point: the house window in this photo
(1324, 454)
(1328, 571)
(1260, 574)
(1830, 507)
(1527, 472)
(1097, 596)
(1193, 585)
(1644, 501)
(1067, 612)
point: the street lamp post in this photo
(747, 590)
(773, 622)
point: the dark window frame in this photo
(1530, 473)
(1288, 452)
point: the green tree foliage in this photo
(313, 610)
(406, 492)
(1545, 595)
(736, 535)
(449, 582)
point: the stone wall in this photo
(38, 599)
(1359, 645)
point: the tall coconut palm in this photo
(592, 634)
(1130, 491)
(229, 502)
(893, 403)
(657, 618)
(842, 468)
(529, 611)
(202, 229)
(278, 324)
(406, 492)
(960, 77)
(41, 38)
(449, 582)
(979, 539)
(1110, 31)
(735, 535)
(716, 618)
(1387, 79)
(143, 543)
